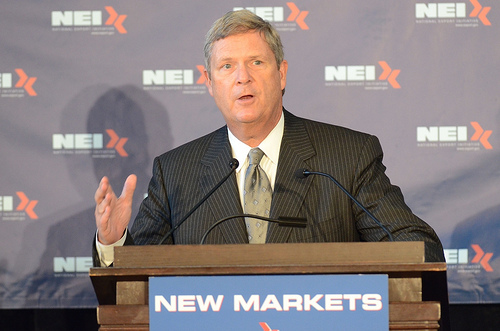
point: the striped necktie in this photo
(257, 197)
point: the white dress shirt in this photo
(269, 163)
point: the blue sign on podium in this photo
(269, 302)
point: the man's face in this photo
(246, 83)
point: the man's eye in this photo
(257, 62)
(226, 66)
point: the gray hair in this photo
(241, 21)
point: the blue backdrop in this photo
(90, 88)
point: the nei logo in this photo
(24, 81)
(454, 134)
(25, 205)
(277, 14)
(80, 18)
(359, 73)
(72, 264)
(89, 141)
(452, 10)
(461, 257)
(440, 10)
(172, 77)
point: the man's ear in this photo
(283, 70)
(208, 82)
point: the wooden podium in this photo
(418, 296)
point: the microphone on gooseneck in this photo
(303, 173)
(294, 222)
(233, 164)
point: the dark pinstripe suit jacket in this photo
(181, 177)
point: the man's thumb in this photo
(129, 187)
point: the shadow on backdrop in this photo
(67, 235)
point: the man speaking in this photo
(246, 75)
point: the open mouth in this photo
(246, 97)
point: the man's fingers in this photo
(103, 225)
(105, 217)
(101, 191)
(105, 203)
(129, 187)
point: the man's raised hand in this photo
(112, 213)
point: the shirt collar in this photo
(270, 145)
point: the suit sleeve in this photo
(375, 191)
(153, 219)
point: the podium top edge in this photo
(269, 254)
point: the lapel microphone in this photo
(233, 164)
(303, 173)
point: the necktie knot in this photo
(255, 155)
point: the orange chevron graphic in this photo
(482, 16)
(26, 82)
(295, 11)
(484, 262)
(297, 16)
(28, 87)
(119, 24)
(484, 139)
(265, 327)
(114, 138)
(482, 258)
(392, 78)
(300, 20)
(117, 143)
(480, 12)
(481, 135)
(389, 74)
(24, 201)
(119, 147)
(22, 77)
(27, 205)
(29, 210)
(202, 79)
(479, 131)
(112, 15)
(477, 8)
(116, 19)
(387, 70)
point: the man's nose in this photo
(243, 75)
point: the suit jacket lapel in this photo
(225, 200)
(289, 191)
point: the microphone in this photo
(233, 164)
(303, 173)
(295, 222)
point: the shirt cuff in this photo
(107, 252)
